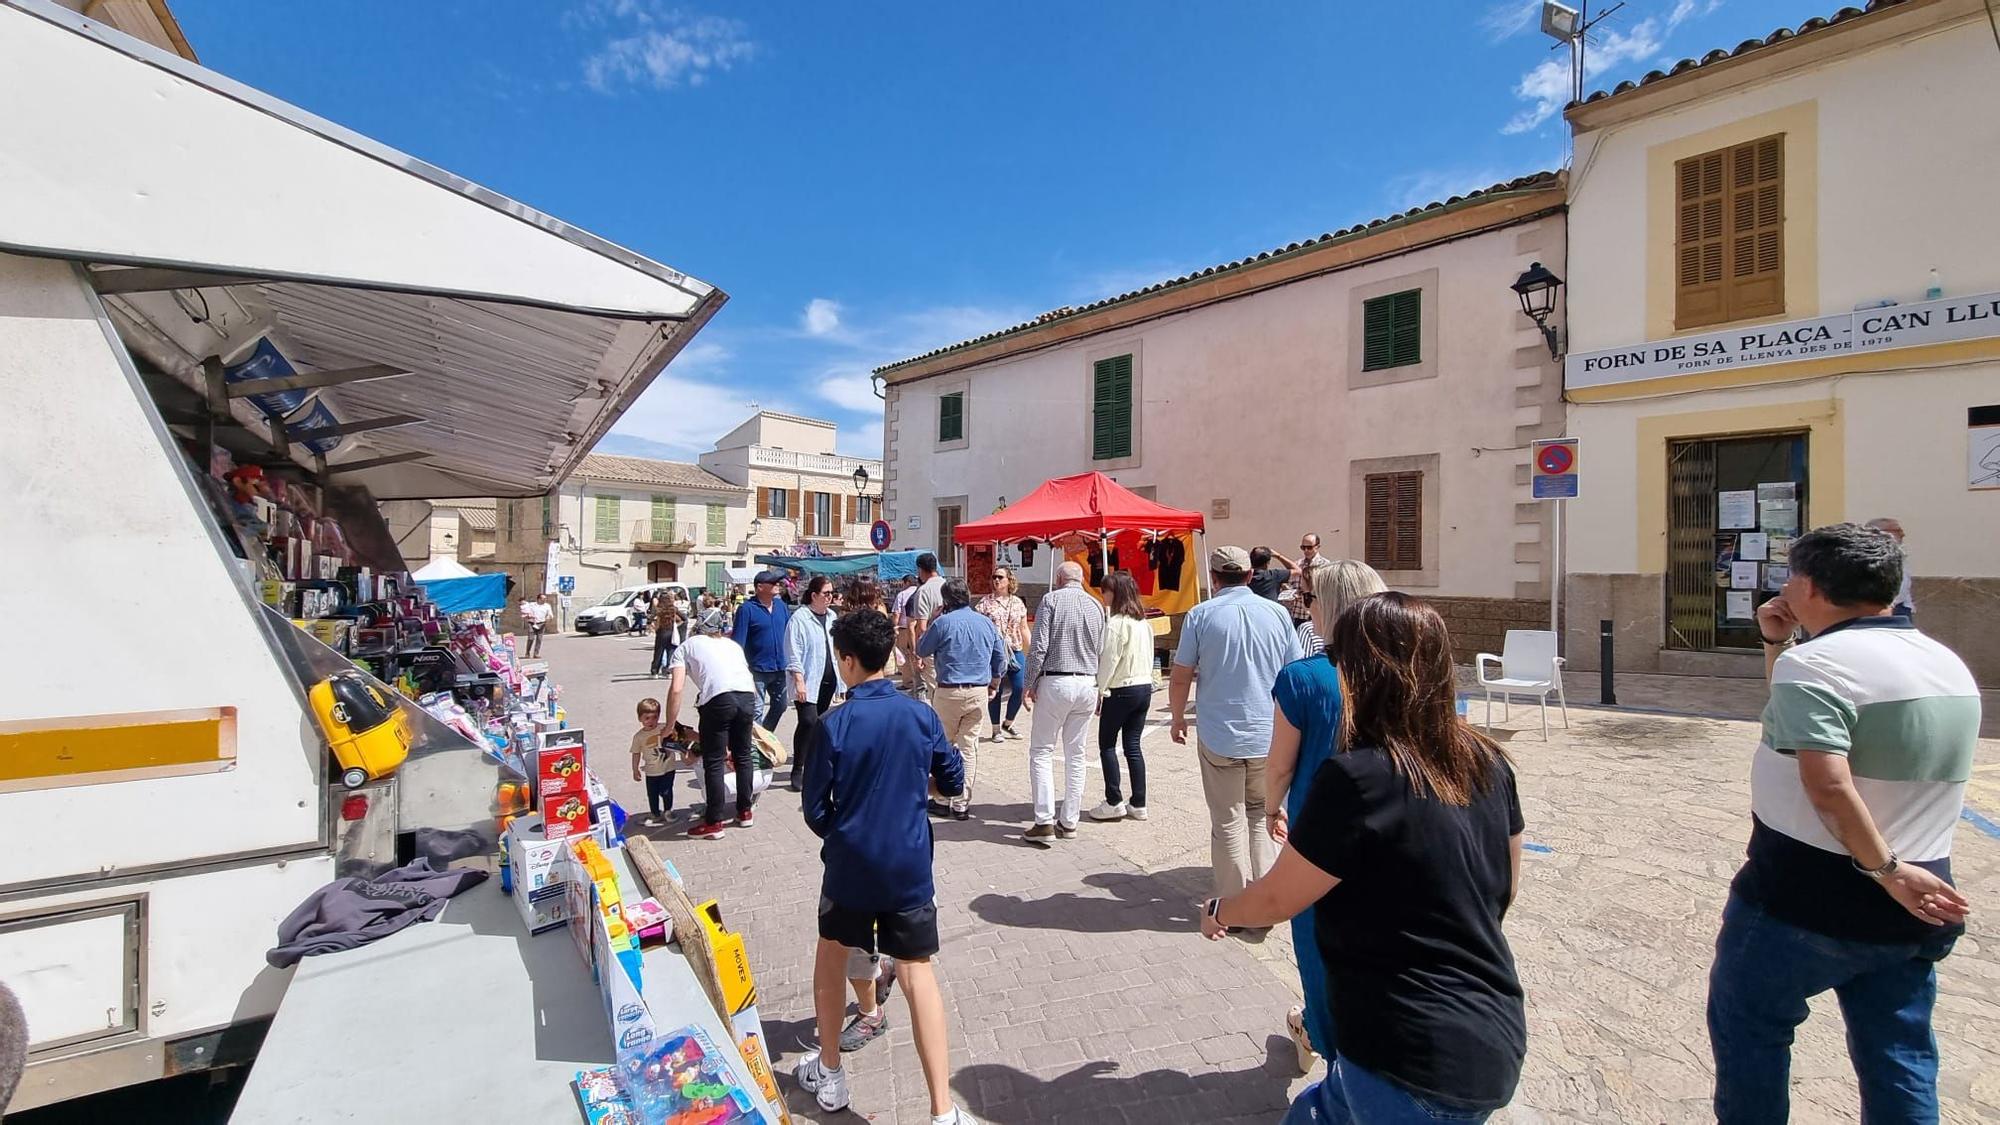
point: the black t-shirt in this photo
(1267, 582)
(1422, 982)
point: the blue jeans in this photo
(772, 687)
(1765, 971)
(1349, 1094)
(1010, 681)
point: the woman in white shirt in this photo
(1125, 692)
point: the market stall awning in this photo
(888, 565)
(1087, 502)
(464, 595)
(460, 343)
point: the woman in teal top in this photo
(1304, 729)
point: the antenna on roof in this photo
(1571, 26)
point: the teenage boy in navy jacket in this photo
(879, 757)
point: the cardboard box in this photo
(732, 959)
(543, 914)
(535, 858)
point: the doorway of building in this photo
(716, 581)
(663, 572)
(1734, 504)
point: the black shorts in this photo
(906, 935)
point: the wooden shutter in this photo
(763, 502)
(1393, 533)
(1729, 234)
(835, 504)
(853, 508)
(951, 416)
(1392, 330)
(1756, 229)
(1111, 409)
(607, 519)
(662, 519)
(718, 522)
(796, 508)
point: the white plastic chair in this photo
(1528, 666)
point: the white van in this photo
(614, 614)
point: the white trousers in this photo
(1063, 706)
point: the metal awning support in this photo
(312, 380)
(143, 280)
(358, 426)
(374, 463)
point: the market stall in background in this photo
(209, 380)
(1099, 524)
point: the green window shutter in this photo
(718, 526)
(1111, 409)
(715, 581)
(607, 519)
(663, 519)
(951, 416)
(1392, 330)
(548, 518)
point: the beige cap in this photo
(1228, 560)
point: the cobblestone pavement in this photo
(1079, 991)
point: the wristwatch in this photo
(1213, 909)
(1778, 643)
(1878, 873)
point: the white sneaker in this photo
(1135, 812)
(957, 1116)
(1109, 811)
(829, 1086)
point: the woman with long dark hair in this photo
(669, 632)
(1409, 846)
(1125, 693)
(809, 658)
(1305, 725)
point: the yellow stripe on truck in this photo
(46, 753)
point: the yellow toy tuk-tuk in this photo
(369, 734)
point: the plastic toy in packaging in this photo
(681, 1079)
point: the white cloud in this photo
(659, 47)
(1509, 17)
(850, 389)
(1547, 87)
(687, 415)
(822, 317)
(1685, 10)
(864, 440)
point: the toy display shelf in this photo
(463, 1018)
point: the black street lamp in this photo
(1537, 290)
(861, 480)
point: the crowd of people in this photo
(1348, 797)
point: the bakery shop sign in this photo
(1863, 330)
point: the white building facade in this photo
(801, 492)
(1378, 387)
(1785, 312)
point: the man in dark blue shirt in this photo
(760, 629)
(877, 758)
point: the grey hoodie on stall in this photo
(352, 912)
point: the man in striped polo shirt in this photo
(1854, 792)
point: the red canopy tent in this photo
(1086, 502)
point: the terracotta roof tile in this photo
(1817, 23)
(645, 470)
(1536, 182)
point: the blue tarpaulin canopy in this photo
(464, 595)
(887, 565)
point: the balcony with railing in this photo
(649, 536)
(830, 463)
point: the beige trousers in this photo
(1239, 848)
(962, 710)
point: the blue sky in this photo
(872, 180)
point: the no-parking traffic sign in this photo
(1555, 469)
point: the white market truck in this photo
(166, 793)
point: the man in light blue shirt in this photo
(1235, 643)
(970, 659)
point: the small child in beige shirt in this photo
(653, 761)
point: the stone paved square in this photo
(1079, 990)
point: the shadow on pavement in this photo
(1096, 1091)
(1164, 901)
